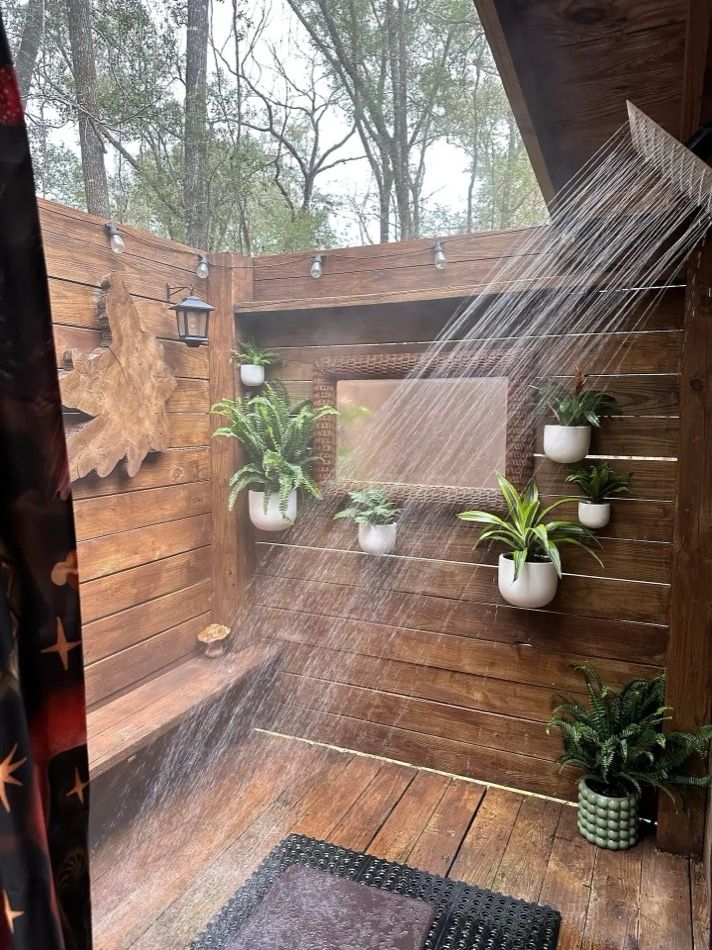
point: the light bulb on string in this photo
(116, 242)
(203, 268)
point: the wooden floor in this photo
(157, 882)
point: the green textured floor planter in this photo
(607, 822)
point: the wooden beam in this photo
(689, 666)
(699, 13)
(230, 282)
(494, 31)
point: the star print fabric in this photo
(44, 781)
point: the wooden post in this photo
(230, 281)
(689, 688)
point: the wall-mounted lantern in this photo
(192, 316)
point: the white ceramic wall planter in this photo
(252, 375)
(594, 515)
(377, 538)
(566, 444)
(272, 519)
(536, 585)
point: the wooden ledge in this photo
(128, 724)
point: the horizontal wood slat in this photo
(110, 635)
(504, 661)
(118, 552)
(108, 595)
(439, 719)
(122, 512)
(595, 597)
(445, 538)
(173, 467)
(540, 629)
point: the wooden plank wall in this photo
(415, 656)
(144, 542)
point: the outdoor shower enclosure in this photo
(465, 685)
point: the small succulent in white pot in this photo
(616, 740)
(376, 517)
(598, 483)
(529, 573)
(252, 360)
(576, 411)
(276, 437)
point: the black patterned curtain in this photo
(44, 876)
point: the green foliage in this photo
(579, 406)
(525, 530)
(599, 481)
(616, 738)
(250, 354)
(371, 507)
(276, 436)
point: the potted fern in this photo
(528, 574)
(377, 520)
(598, 483)
(616, 739)
(569, 440)
(276, 437)
(252, 360)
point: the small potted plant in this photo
(528, 574)
(576, 412)
(376, 517)
(598, 483)
(616, 739)
(276, 437)
(252, 360)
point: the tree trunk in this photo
(32, 34)
(196, 122)
(79, 18)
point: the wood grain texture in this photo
(689, 657)
(123, 385)
(230, 281)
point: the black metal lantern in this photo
(192, 316)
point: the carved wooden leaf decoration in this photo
(124, 384)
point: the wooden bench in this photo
(126, 725)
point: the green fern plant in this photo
(599, 482)
(250, 354)
(616, 738)
(370, 507)
(525, 530)
(276, 436)
(579, 406)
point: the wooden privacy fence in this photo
(422, 660)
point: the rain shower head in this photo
(671, 159)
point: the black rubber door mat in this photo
(461, 917)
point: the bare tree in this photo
(32, 33)
(79, 23)
(196, 123)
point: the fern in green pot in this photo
(276, 437)
(616, 739)
(529, 571)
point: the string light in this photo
(439, 258)
(115, 240)
(317, 268)
(203, 268)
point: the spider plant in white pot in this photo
(598, 483)
(529, 573)
(252, 360)
(376, 517)
(576, 411)
(276, 437)
(617, 741)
